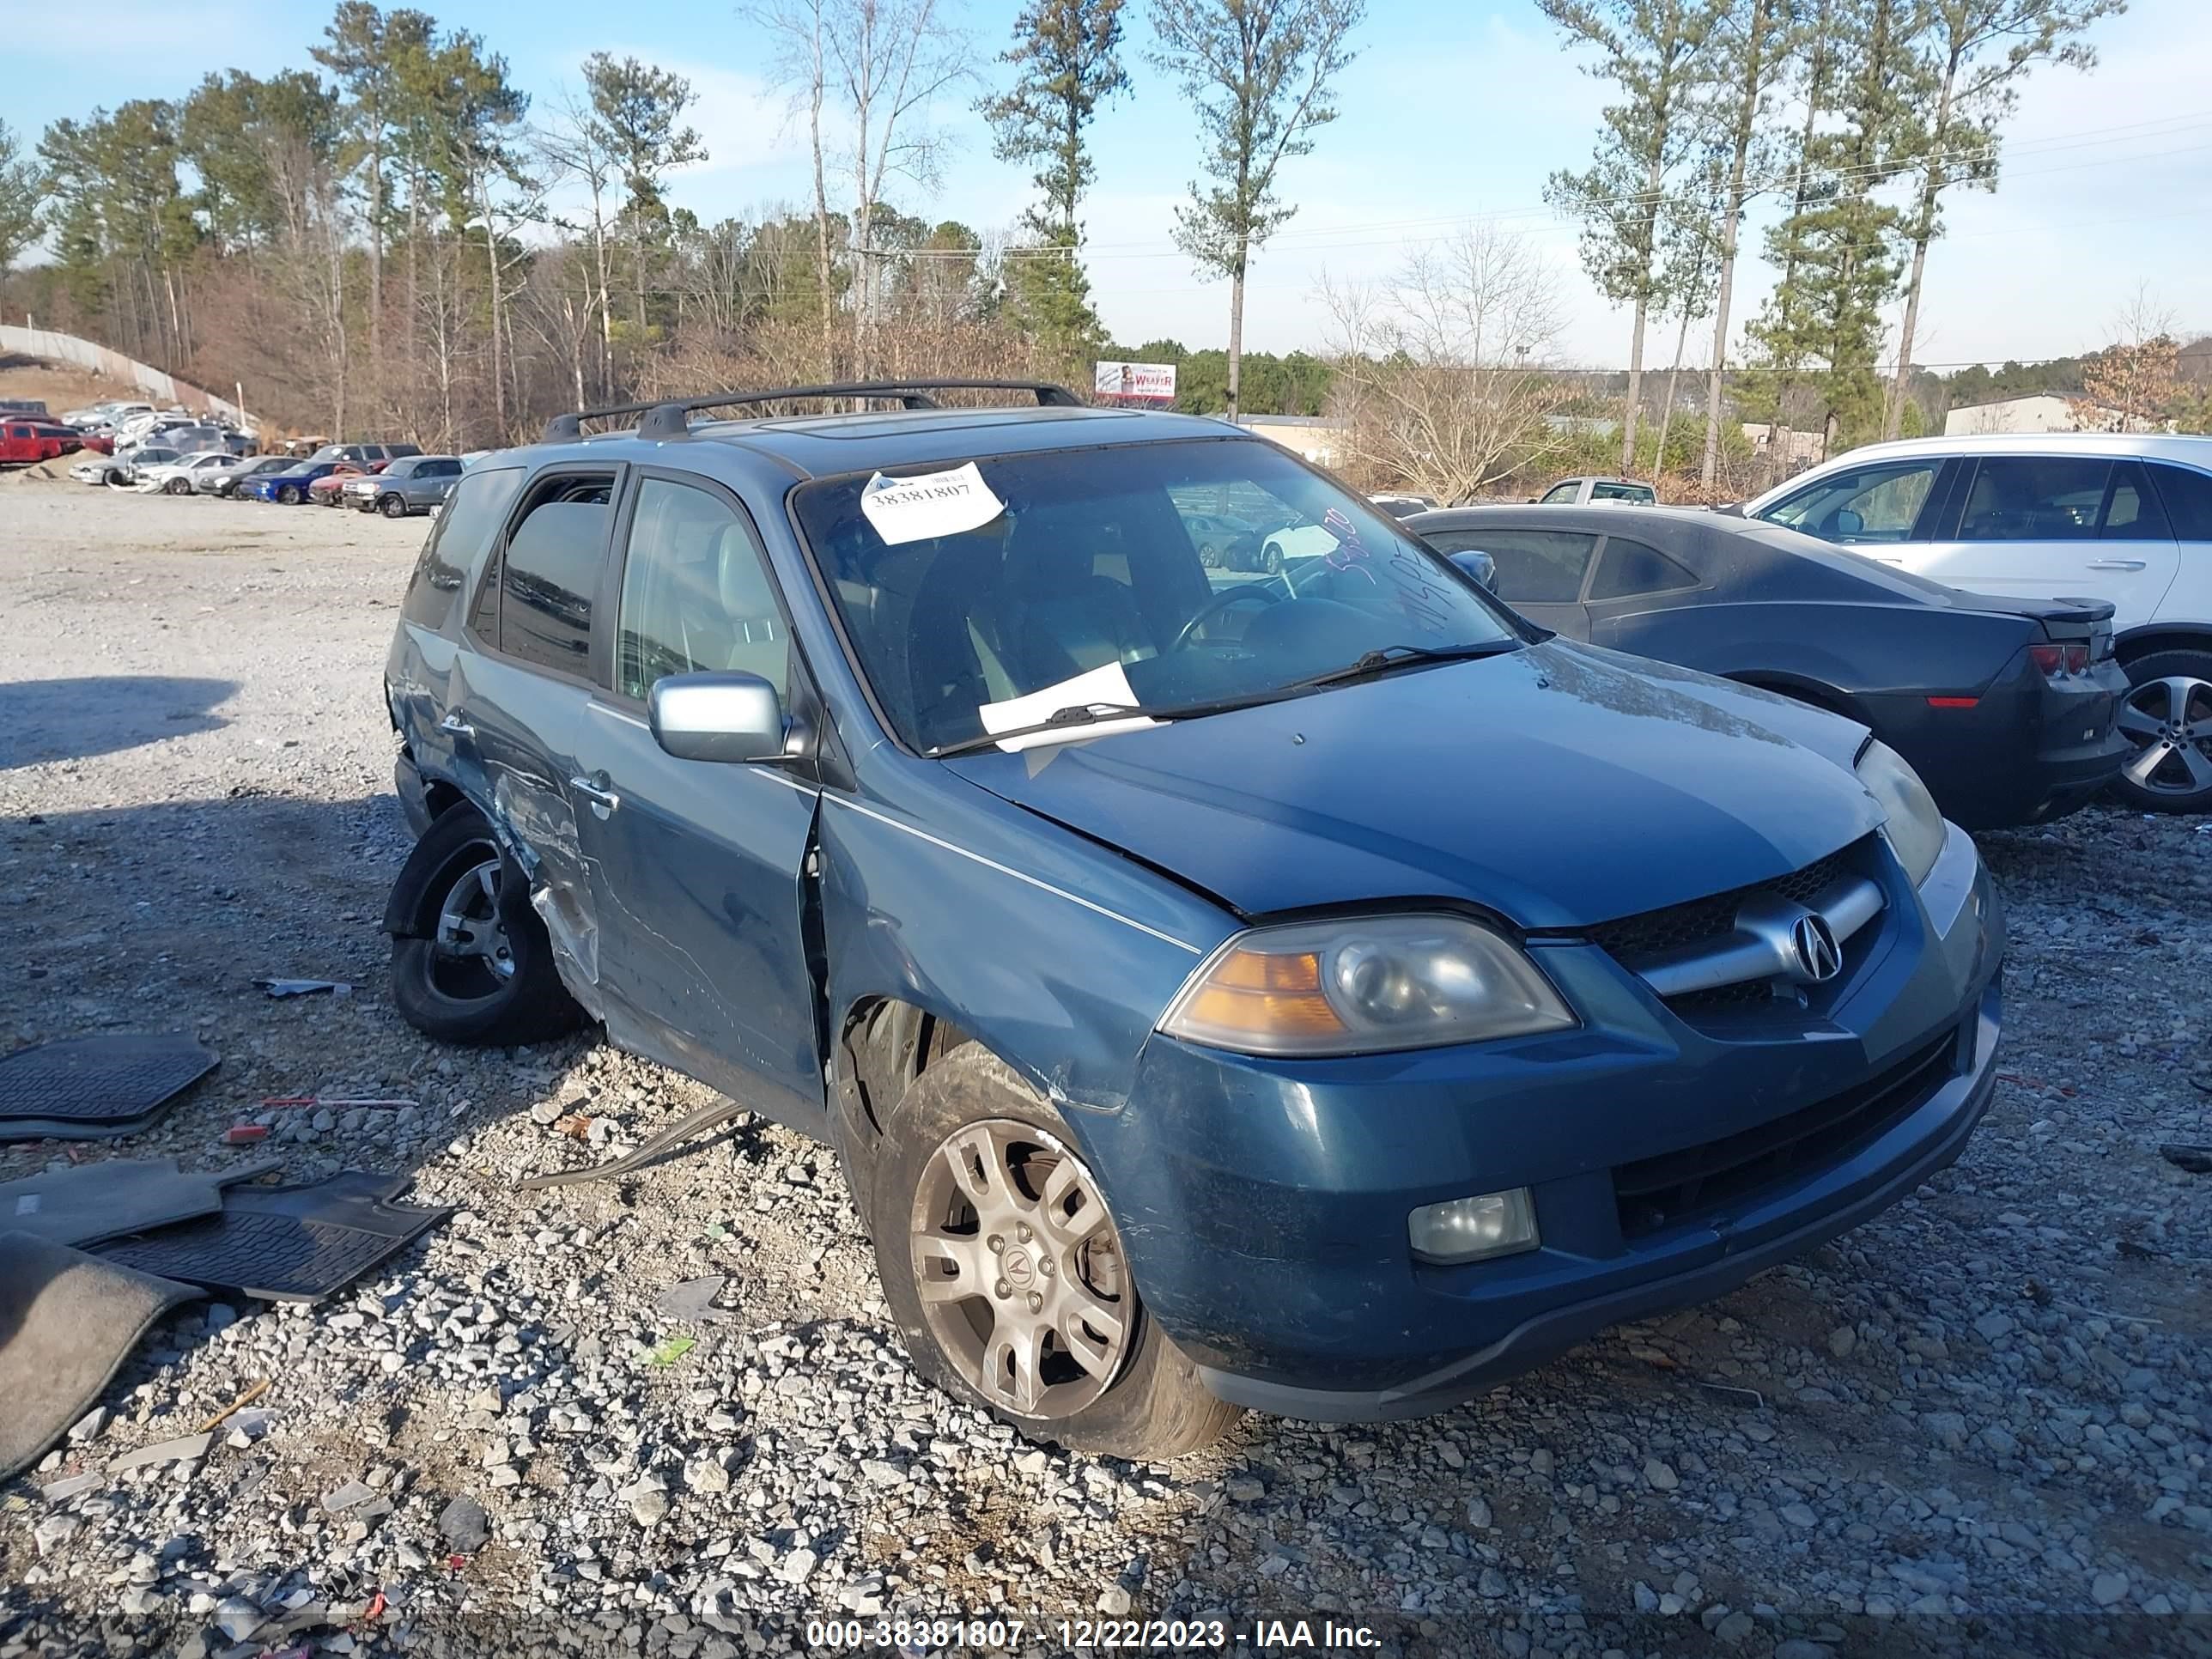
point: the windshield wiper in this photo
(1383, 660)
(1093, 713)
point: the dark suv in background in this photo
(1330, 997)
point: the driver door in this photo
(1541, 573)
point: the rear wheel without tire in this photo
(485, 973)
(1004, 1270)
(2167, 716)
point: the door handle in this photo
(454, 725)
(594, 789)
(2116, 564)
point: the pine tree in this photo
(1977, 53)
(1649, 49)
(1066, 56)
(1837, 248)
(639, 110)
(1752, 45)
(1258, 74)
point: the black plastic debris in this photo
(286, 1243)
(91, 1088)
(2196, 1160)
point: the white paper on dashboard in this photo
(1109, 685)
(935, 504)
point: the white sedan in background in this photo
(197, 473)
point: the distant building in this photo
(2046, 411)
(1799, 449)
(1313, 436)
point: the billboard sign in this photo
(1149, 383)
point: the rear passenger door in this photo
(518, 699)
(1632, 580)
(696, 864)
(2054, 526)
(2186, 494)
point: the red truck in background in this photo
(25, 442)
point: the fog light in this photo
(1471, 1229)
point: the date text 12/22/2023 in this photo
(921, 1635)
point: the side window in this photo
(696, 594)
(1561, 492)
(549, 577)
(1874, 503)
(1457, 541)
(2188, 498)
(2132, 512)
(1537, 567)
(2035, 498)
(1630, 568)
(1622, 492)
(457, 540)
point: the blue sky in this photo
(1455, 109)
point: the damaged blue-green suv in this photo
(1326, 992)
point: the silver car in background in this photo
(413, 483)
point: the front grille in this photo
(1709, 921)
(1658, 1192)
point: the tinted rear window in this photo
(458, 539)
(2188, 498)
(548, 581)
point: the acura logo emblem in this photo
(1820, 959)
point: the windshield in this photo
(1088, 587)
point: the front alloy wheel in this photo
(1005, 1274)
(2167, 717)
(1019, 1270)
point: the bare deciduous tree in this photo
(2129, 386)
(1444, 370)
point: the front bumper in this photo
(1263, 1203)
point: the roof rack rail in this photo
(671, 417)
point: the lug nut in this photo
(1044, 1266)
(1022, 1232)
(996, 1243)
(1002, 1290)
(1036, 1303)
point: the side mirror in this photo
(1479, 565)
(730, 716)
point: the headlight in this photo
(1362, 985)
(1914, 828)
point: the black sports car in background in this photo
(2005, 706)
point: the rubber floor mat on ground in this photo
(83, 1203)
(285, 1243)
(88, 1087)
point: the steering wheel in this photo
(1257, 592)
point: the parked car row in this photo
(393, 479)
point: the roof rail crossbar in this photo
(669, 418)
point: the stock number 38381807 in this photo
(927, 1635)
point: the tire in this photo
(1209, 556)
(178, 487)
(489, 980)
(1270, 558)
(288, 495)
(117, 480)
(2167, 717)
(1138, 1397)
(393, 507)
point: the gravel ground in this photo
(1978, 1424)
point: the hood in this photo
(1559, 786)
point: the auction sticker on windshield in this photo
(935, 504)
